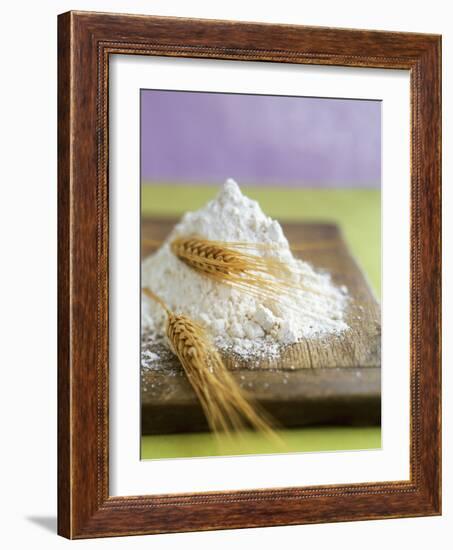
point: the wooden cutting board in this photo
(330, 380)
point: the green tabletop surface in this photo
(308, 439)
(358, 214)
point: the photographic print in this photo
(260, 274)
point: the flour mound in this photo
(237, 321)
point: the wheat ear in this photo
(295, 247)
(261, 277)
(225, 406)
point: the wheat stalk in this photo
(225, 406)
(294, 247)
(233, 264)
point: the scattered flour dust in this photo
(238, 322)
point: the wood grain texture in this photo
(64, 310)
(293, 398)
(343, 396)
(86, 40)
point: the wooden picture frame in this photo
(85, 42)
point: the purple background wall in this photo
(196, 137)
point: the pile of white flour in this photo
(237, 321)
